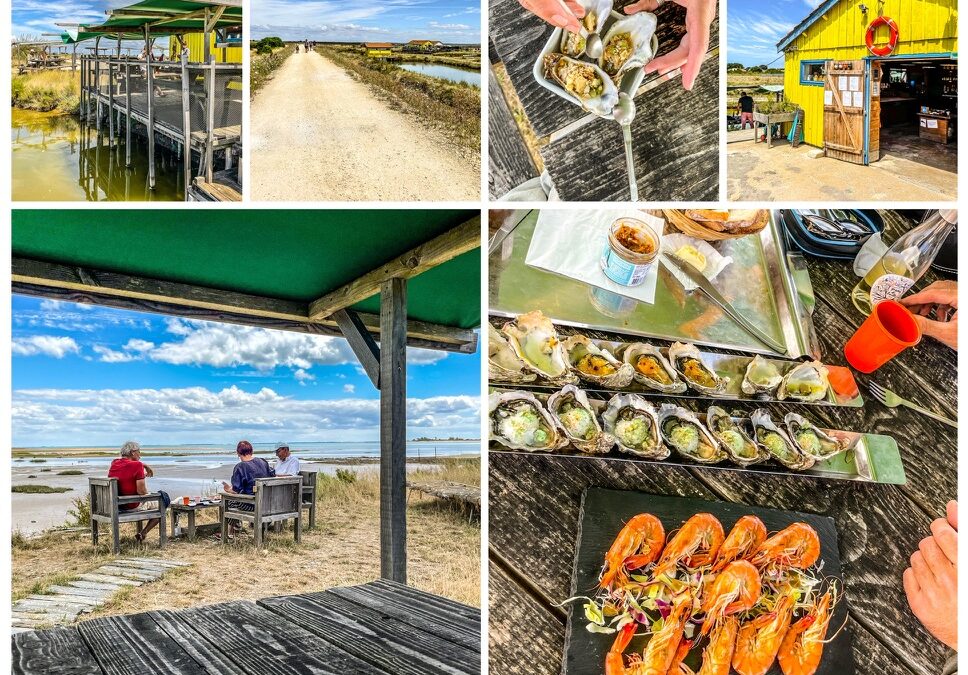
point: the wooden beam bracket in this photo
(362, 343)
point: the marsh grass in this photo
(47, 91)
(261, 66)
(38, 489)
(453, 107)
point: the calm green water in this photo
(449, 73)
(55, 158)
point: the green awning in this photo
(163, 17)
(297, 255)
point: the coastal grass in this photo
(452, 107)
(261, 67)
(47, 91)
(753, 81)
(344, 548)
(39, 489)
(70, 472)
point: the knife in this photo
(700, 280)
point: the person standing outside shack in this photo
(288, 464)
(745, 109)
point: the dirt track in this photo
(317, 134)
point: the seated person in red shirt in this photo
(131, 474)
(245, 474)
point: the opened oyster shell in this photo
(518, 421)
(535, 341)
(591, 87)
(650, 367)
(503, 364)
(812, 441)
(776, 442)
(634, 424)
(596, 365)
(733, 438)
(682, 431)
(687, 361)
(596, 13)
(575, 416)
(762, 377)
(628, 44)
(805, 382)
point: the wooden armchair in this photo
(273, 500)
(309, 495)
(106, 506)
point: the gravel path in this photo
(317, 134)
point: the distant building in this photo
(423, 46)
(377, 50)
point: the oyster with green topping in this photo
(777, 443)
(535, 341)
(576, 417)
(519, 422)
(733, 437)
(805, 382)
(812, 441)
(633, 422)
(682, 431)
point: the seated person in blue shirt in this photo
(245, 474)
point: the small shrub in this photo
(346, 476)
(80, 514)
(39, 489)
(70, 472)
(37, 460)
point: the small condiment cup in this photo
(889, 330)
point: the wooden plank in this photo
(471, 615)
(361, 342)
(92, 585)
(109, 579)
(442, 489)
(126, 573)
(509, 164)
(134, 643)
(60, 599)
(59, 650)
(524, 636)
(373, 637)
(393, 430)
(452, 243)
(95, 593)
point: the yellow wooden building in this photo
(378, 50)
(196, 48)
(858, 88)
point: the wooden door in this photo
(874, 114)
(843, 110)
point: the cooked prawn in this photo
(661, 651)
(802, 646)
(747, 535)
(795, 546)
(759, 640)
(736, 589)
(718, 654)
(696, 543)
(638, 543)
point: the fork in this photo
(892, 400)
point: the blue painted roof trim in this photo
(805, 24)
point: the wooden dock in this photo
(379, 627)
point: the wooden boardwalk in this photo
(380, 627)
(443, 489)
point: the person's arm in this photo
(142, 487)
(942, 298)
(692, 47)
(236, 485)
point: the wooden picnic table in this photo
(675, 134)
(379, 627)
(534, 505)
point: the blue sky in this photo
(754, 27)
(448, 21)
(92, 376)
(31, 18)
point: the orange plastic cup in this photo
(186, 500)
(889, 330)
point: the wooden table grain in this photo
(534, 505)
(675, 134)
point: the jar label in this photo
(889, 287)
(622, 271)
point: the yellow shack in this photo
(225, 45)
(875, 75)
(377, 50)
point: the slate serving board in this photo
(604, 513)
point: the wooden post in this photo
(110, 103)
(151, 113)
(127, 113)
(83, 114)
(186, 120)
(97, 83)
(207, 36)
(210, 121)
(393, 430)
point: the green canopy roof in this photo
(296, 255)
(163, 17)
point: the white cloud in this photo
(109, 355)
(448, 26)
(349, 388)
(303, 377)
(44, 345)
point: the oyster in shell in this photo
(535, 341)
(596, 13)
(575, 416)
(586, 82)
(650, 367)
(733, 437)
(519, 422)
(687, 361)
(812, 441)
(805, 382)
(596, 365)
(682, 431)
(503, 364)
(628, 44)
(776, 442)
(633, 422)
(762, 377)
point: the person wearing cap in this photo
(132, 475)
(288, 464)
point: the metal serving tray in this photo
(763, 282)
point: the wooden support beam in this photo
(461, 239)
(362, 343)
(73, 284)
(393, 430)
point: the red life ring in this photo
(881, 50)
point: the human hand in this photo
(942, 298)
(560, 13)
(692, 48)
(931, 582)
(148, 471)
(226, 487)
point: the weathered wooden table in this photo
(189, 510)
(380, 627)
(675, 135)
(534, 501)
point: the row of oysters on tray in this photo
(626, 45)
(519, 421)
(529, 347)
